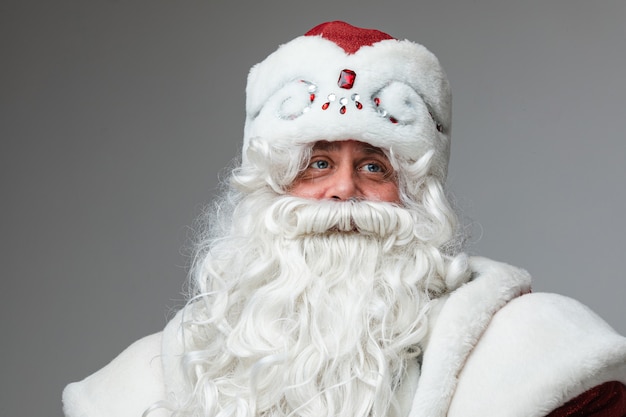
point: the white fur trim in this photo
(173, 350)
(539, 351)
(126, 387)
(404, 75)
(457, 328)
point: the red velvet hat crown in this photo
(350, 38)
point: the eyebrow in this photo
(333, 146)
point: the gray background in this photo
(117, 118)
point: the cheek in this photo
(387, 192)
(304, 189)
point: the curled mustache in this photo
(294, 217)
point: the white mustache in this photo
(294, 217)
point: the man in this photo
(330, 280)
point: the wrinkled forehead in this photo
(334, 146)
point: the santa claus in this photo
(330, 281)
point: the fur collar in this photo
(457, 324)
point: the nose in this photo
(343, 185)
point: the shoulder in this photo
(127, 386)
(539, 351)
(495, 349)
(456, 323)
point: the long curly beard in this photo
(312, 309)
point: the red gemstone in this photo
(325, 106)
(393, 120)
(342, 110)
(346, 79)
(312, 97)
(359, 105)
(377, 101)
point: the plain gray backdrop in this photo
(118, 117)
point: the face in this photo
(345, 170)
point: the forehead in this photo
(348, 145)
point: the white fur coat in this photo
(493, 350)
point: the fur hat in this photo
(340, 82)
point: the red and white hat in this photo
(340, 82)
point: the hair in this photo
(267, 330)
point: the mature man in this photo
(330, 280)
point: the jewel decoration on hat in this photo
(383, 112)
(298, 99)
(346, 79)
(343, 101)
(295, 105)
(393, 120)
(311, 88)
(331, 97)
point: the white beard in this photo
(310, 309)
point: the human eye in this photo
(373, 167)
(319, 164)
(317, 167)
(376, 169)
